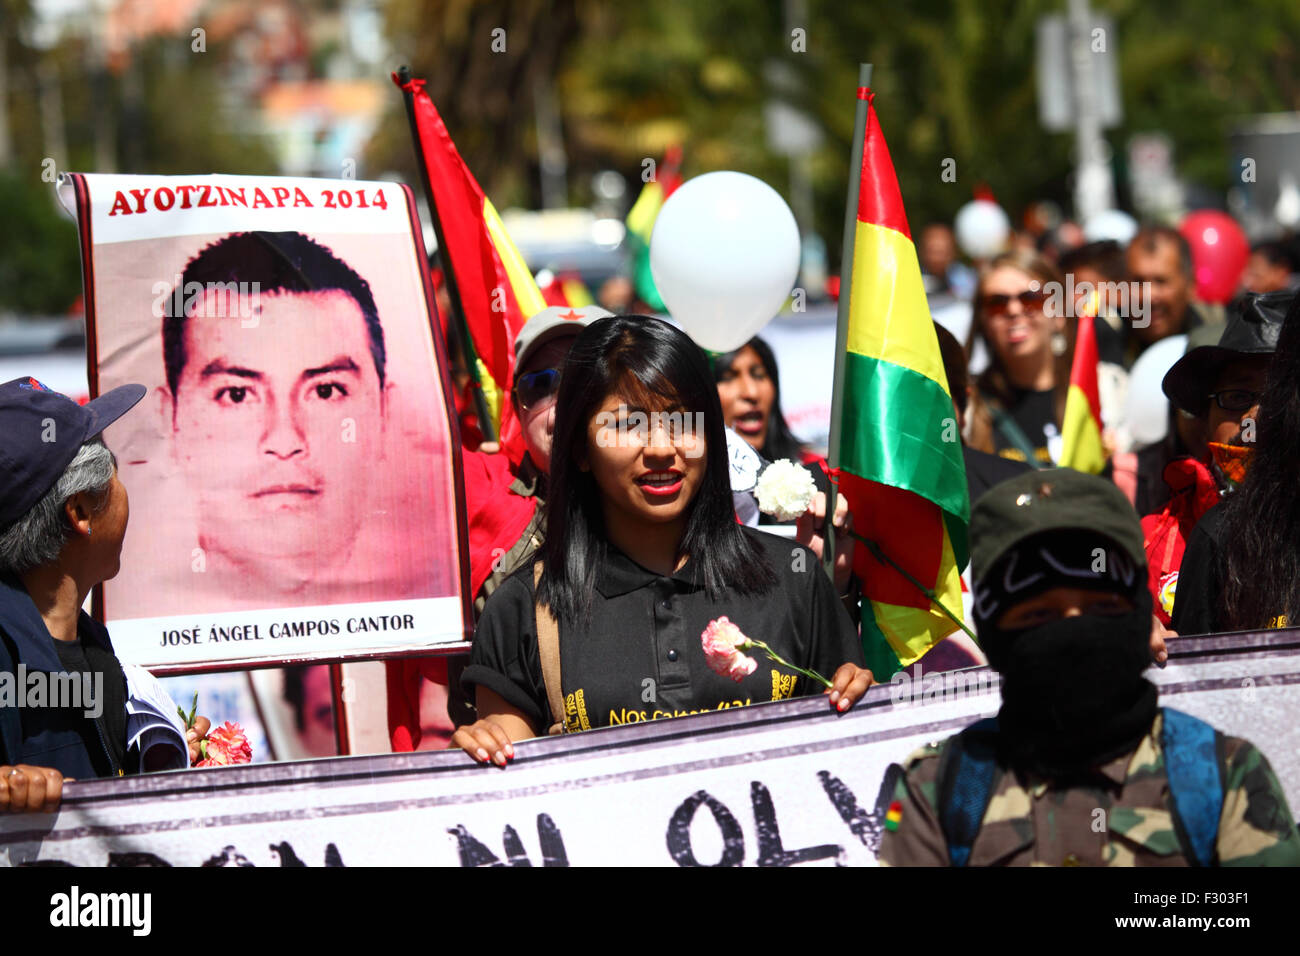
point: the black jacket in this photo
(39, 736)
(983, 470)
(1198, 601)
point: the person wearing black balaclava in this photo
(1081, 766)
(1073, 694)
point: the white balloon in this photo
(1147, 408)
(1111, 224)
(982, 228)
(724, 255)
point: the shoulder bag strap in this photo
(548, 647)
(1012, 432)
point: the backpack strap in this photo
(1193, 765)
(548, 647)
(965, 785)
(1013, 433)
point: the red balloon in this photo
(1219, 253)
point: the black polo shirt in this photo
(640, 657)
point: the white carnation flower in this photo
(784, 490)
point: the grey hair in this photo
(38, 537)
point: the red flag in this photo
(1083, 447)
(495, 288)
(566, 290)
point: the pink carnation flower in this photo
(722, 643)
(227, 744)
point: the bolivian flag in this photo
(1082, 449)
(566, 290)
(900, 456)
(641, 223)
(496, 290)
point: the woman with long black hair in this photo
(1242, 566)
(749, 387)
(644, 555)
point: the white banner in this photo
(132, 208)
(324, 631)
(769, 785)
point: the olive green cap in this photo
(1054, 499)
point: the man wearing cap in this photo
(1221, 384)
(1081, 766)
(506, 524)
(63, 516)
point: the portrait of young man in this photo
(276, 414)
(293, 474)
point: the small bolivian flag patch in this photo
(893, 815)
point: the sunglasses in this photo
(1235, 399)
(1030, 301)
(533, 388)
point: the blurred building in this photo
(310, 79)
(308, 76)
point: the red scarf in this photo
(1165, 534)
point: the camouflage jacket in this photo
(1121, 817)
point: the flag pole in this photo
(842, 325)
(481, 409)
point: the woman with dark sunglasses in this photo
(643, 553)
(1019, 399)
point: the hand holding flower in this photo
(811, 533)
(194, 738)
(723, 642)
(784, 490)
(225, 746)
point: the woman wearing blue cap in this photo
(63, 516)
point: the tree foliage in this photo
(40, 267)
(954, 79)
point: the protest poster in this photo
(293, 472)
(773, 784)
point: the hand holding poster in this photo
(293, 472)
